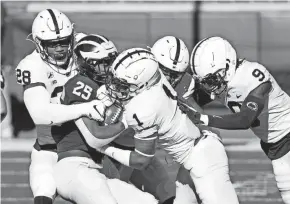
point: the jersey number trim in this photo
(258, 74)
(24, 76)
(83, 90)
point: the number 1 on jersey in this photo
(137, 119)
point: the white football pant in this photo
(281, 169)
(41, 173)
(209, 170)
(79, 180)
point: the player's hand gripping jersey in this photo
(160, 117)
(273, 122)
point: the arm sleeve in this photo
(29, 75)
(97, 136)
(37, 98)
(250, 110)
(143, 121)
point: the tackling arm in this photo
(140, 158)
(97, 136)
(37, 101)
(250, 110)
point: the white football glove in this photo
(94, 110)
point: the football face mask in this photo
(214, 83)
(98, 69)
(120, 90)
(58, 51)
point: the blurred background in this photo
(259, 30)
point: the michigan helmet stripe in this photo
(93, 38)
(177, 51)
(54, 20)
(193, 54)
(130, 54)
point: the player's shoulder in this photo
(31, 70)
(251, 72)
(251, 68)
(142, 107)
(31, 62)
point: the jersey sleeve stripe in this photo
(146, 155)
(151, 137)
(34, 85)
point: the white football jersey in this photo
(155, 111)
(274, 121)
(33, 71)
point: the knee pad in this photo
(42, 200)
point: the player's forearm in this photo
(52, 114)
(250, 110)
(93, 136)
(128, 158)
(230, 122)
(103, 132)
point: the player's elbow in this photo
(40, 117)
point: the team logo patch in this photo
(252, 105)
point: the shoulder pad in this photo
(138, 114)
(31, 70)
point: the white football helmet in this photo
(173, 57)
(51, 28)
(94, 55)
(133, 71)
(214, 61)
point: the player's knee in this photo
(42, 200)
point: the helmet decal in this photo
(177, 51)
(54, 21)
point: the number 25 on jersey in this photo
(82, 90)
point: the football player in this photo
(42, 74)
(173, 58)
(256, 100)
(77, 173)
(151, 110)
(94, 53)
(3, 101)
